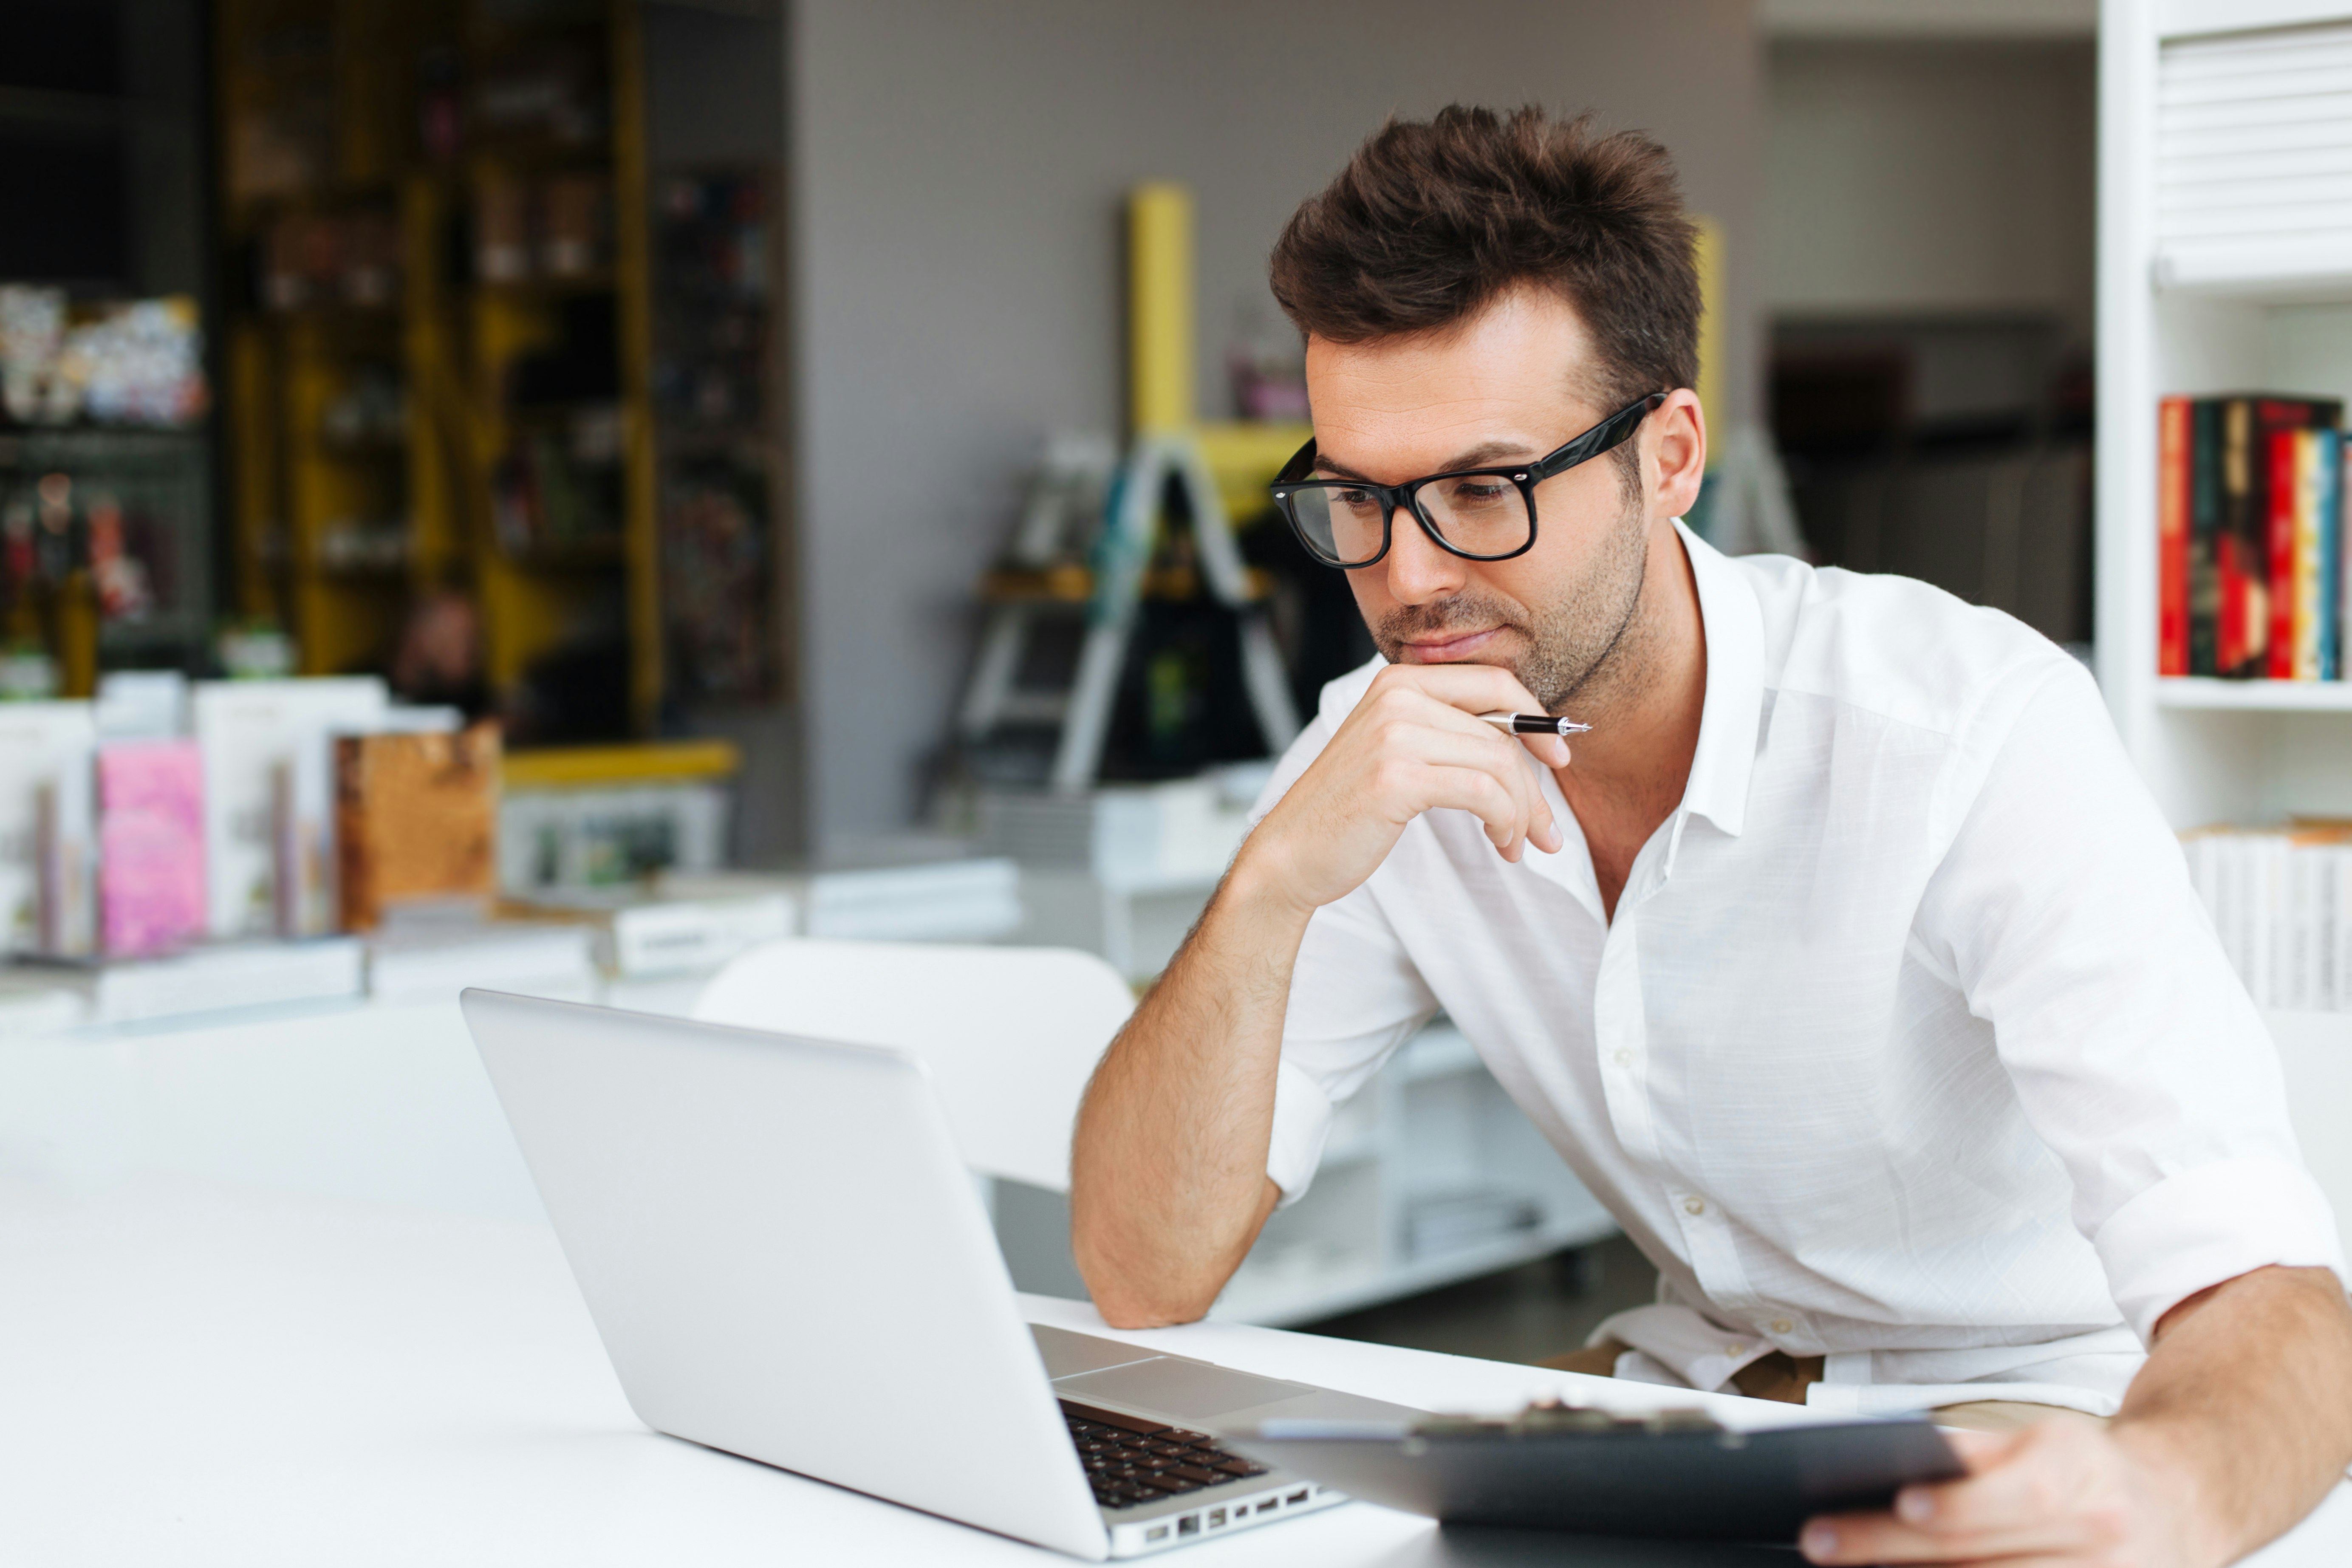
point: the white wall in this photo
(1913, 178)
(958, 172)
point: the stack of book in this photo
(2281, 898)
(2250, 566)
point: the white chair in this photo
(1010, 1034)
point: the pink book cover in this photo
(151, 846)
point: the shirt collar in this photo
(1733, 625)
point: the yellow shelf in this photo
(649, 762)
(452, 346)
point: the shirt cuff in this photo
(1302, 1121)
(2210, 1223)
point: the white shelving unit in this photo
(2225, 264)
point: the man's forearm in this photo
(1168, 1184)
(2247, 1401)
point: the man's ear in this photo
(1674, 449)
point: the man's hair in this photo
(1432, 220)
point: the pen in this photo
(1535, 724)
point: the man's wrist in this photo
(2174, 1479)
(1255, 889)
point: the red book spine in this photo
(2172, 501)
(2278, 451)
(2230, 617)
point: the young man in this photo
(1846, 958)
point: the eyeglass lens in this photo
(1478, 514)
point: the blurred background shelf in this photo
(2224, 266)
(2253, 696)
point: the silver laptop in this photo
(786, 1259)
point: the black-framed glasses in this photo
(1479, 514)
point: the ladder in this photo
(1086, 503)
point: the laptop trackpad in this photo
(1188, 1390)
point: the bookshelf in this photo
(2225, 264)
(436, 371)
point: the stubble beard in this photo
(1588, 647)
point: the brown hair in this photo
(1432, 220)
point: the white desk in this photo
(192, 1373)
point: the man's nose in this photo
(1418, 571)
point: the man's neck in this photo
(1628, 775)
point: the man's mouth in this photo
(1451, 647)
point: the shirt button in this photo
(1693, 1206)
(1624, 1057)
(1782, 1326)
(1735, 1351)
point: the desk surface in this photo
(196, 1373)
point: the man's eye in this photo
(1480, 492)
(1355, 500)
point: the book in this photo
(2204, 537)
(46, 847)
(974, 900)
(435, 962)
(143, 705)
(416, 816)
(211, 978)
(151, 839)
(270, 799)
(2326, 480)
(2315, 455)
(670, 928)
(2280, 902)
(2172, 548)
(2283, 495)
(2242, 547)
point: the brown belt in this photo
(1778, 1375)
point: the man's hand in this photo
(2065, 1492)
(2237, 1426)
(1167, 1183)
(1413, 744)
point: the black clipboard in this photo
(1676, 1474)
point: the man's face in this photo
(1502, 387)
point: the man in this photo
(1845, 959)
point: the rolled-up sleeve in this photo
(2063, 905)
(1355, 997)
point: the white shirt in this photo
(1909, 1045)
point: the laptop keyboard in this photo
(1130, 1460)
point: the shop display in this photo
(150, 847)
(711, 373)
(416, 817)
(136, 363)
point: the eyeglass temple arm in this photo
(1301, 464)
(1611, 432)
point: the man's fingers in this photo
(1473, 688)
(1470, 744)
(1482, 794)
(2036, 1492)
(1870, 1539)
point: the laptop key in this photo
(1234, 1466)
(1173, 1483)
(1195, 1473)
(1179, 1435)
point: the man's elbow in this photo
(1141, 1309)
(1129, 1297)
